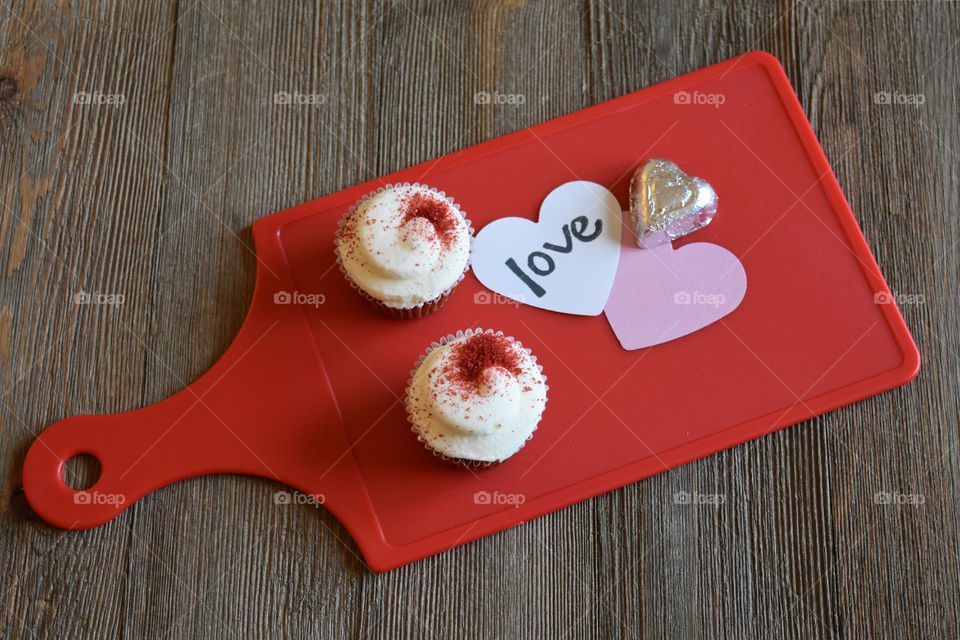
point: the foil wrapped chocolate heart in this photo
(666, 203)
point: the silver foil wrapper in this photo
(666, 203)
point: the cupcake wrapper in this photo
(464, 463)
(419, 310)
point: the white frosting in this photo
(488, 420)
(402, 263)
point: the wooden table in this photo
(141, 140)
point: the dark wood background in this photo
(154, 199)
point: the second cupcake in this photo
(404, 248)
(475, 398)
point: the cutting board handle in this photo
(137, 452)
(266, 391)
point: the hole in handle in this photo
(81, 471)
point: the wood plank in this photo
(153, 199)
(79, 204)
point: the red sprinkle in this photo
(436, 211)
(480, 351)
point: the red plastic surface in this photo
(312, 396)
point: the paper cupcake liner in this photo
(423, 308)
(464, 463)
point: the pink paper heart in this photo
(660, 294)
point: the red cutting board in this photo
(310, 396)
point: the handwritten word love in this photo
(543, 264)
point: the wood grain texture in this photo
(153, 199)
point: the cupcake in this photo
(404, 248)
(475, 398)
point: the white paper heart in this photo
(566, 261)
